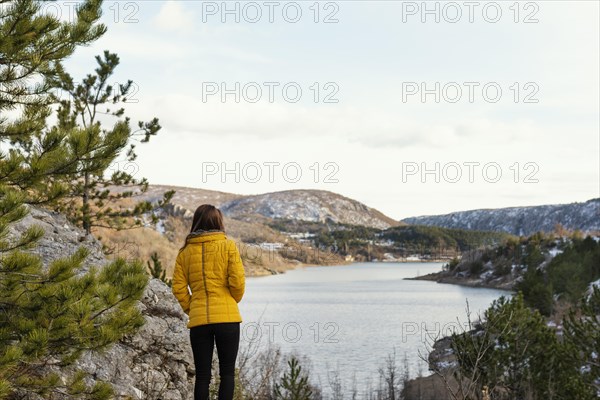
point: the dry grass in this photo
(140, 243)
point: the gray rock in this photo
(156, 362)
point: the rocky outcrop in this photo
(522, 221)
(440, 384)
(176, 210)
(156, 362)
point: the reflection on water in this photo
(349, 318)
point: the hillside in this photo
(278, 231)
(304, 205)
(319, 227)
(264, 250)
(249, 220)
(522, 221)
(398, 243)
(558, 265)
(308, 205)
(190, 198)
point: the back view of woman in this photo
(210, 264)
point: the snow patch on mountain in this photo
(308, 205)
(522, 221)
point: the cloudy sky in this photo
(408, 108)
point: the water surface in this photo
(350, 318)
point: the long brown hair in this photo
(207, 218)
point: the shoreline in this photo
(441, 277)
(440, 350)
(275, 271)
(437, 277)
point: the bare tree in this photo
(391, 377)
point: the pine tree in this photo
(49, 314)
(294, 383)
(156, 269)
(582, 335)
(516, 355)
(92, 193)
(32, 46)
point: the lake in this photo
(350, 318)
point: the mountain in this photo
(264, 250)
(190, 198)
(520, 220)
(320, 227)
(308, 205)
(303, 205)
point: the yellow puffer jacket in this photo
(211, 266)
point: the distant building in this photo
(304, 235)
(271, 246)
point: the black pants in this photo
(203, 338)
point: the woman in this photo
(210, 264)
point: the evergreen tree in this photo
(49, 312)
(32, 46)
(537, 291)
(92, 193)
(517, 356)
(582, 334)
(156, 269)
(294, 383)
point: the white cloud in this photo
(174, 17)
(368, 127)
(370, 132)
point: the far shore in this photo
(439, 277)
(276, 271)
